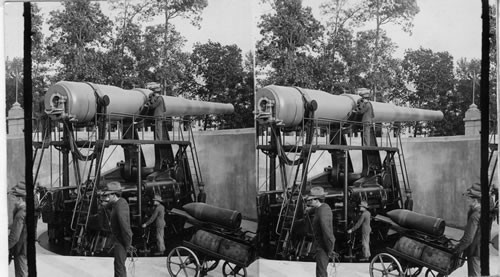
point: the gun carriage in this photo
(86, 123)
(297, 130)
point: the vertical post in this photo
(498, 63)
(139, 183)
(65, 160)
(65, 164)
(28, 143)
(272, 158)
(346, 162)
(3, 148)
(484, 106)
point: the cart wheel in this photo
(384, 264)
(182, 261)
(230, 269)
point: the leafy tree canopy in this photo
(288, 35)
(223, 78)
(80, 32)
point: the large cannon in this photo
(288, 105)
(80, 102)
(94, 120)
(298, 126)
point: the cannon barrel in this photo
(175, 106)
(387, 112)
(78, 101)
(287, 106)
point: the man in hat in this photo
(18, 231)
(158, 217)
(120, 226)
(471, 239)
(322, 226)
(366, 229)
(202, 195)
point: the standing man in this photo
(366, 229)
(471, 239)
(18, 232)
(120, 226)
(322, 226)
(158, 217)
(202, 195)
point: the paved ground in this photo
(53, 265)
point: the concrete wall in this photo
(440, 169)
(15, 160)
(227, 161)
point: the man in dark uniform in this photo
(471, 239)
(158, 217)
(18, 232)
(120, 226)
(322, 226)
(202, 195)
(366, 229)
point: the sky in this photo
(444, 25)
(225, 21)
(441, 25)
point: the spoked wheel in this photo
(384, 264)
(182, 262)
(230, 269)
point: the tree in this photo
(377, 46)
(431, 75)
(289, 36)
(80, 32)
(243, 98)
(223, 79)
(385, 80)
(171, 9)
(40, 68)
(121, 62)
(148, 53)
(381, 12)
